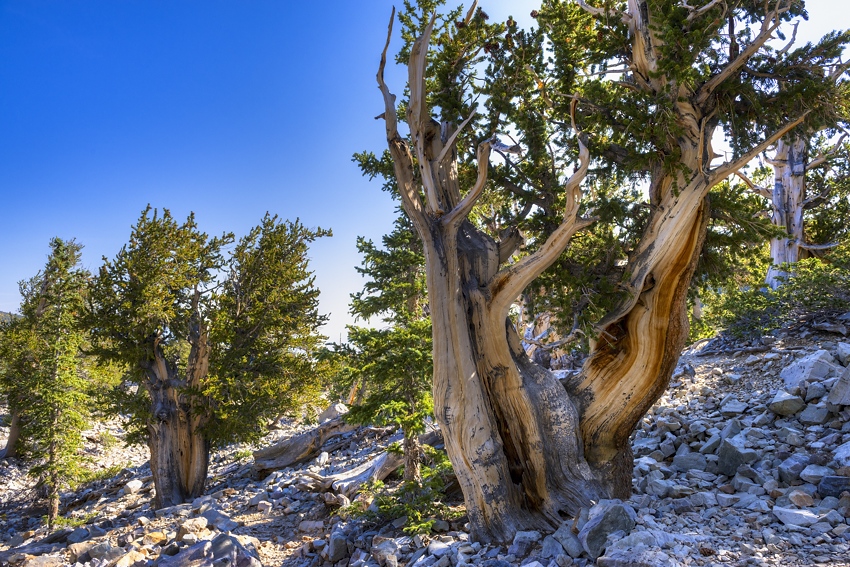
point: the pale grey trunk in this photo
(787, 203)
(11, 448)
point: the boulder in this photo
(605, 518)
(816, 366)
(792, 517)
(840, 393)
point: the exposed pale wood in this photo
(298, 448)
(11, 448)
(348, 482)
(787, 202)
(770, 23)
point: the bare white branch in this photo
(457, 214)
(763, 191)
(697, 12)
(418, 114)
(402, 160)
(511, 280)
(770, 23)
(785, 49)
(623, 16)
(451, 141)
(731, 167)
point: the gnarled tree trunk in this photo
(179, 449)
(526, 450)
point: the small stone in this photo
(310, 525)
(551, 547)
(842, 350)
(790, 468)
(800, 498)
(523, 542)
(438, 548)
(733, 408)
(690, 461)
(264, 507)
(257, 498)
(816, 390)
(636, 558)
(840, 392)
(133, 486)
(191, 526)
(155, 538)
(78, 535)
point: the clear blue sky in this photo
(225, 108)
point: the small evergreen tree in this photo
(42, 350)
(390, 369)
(216, 344)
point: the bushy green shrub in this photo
(813, 287)
(421, 503)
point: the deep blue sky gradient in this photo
(228, 109)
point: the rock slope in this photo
(744, 461)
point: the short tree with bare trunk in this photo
(215, 345)
(632, 90)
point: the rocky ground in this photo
(744, 461)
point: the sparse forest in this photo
(615, 301)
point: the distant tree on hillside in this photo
(216, 344)
(44, 378)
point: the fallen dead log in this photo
(298, 448)
(380, 467)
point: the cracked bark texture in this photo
(526, 450)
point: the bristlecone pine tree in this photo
(42, 354)
(215, 346)
(636, 89)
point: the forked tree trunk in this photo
(11, 448)
(179, 449)
(525, 450)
